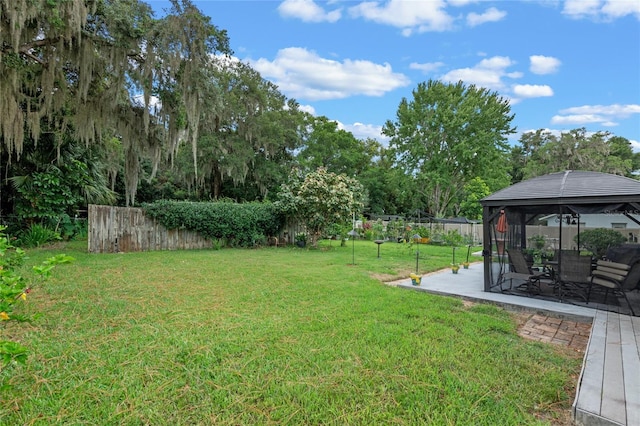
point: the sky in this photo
(562, 65)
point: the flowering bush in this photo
(320, 199)
(14, 289)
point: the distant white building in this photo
(605, 220)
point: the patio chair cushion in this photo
(612, 276)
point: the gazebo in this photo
(563, 196)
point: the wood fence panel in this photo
(127, 229)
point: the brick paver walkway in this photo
(572, 334)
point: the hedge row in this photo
(243, 225)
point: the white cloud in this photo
(577, 119)
(496, 63)
(307, 11)
(579, 8)
(605, 115)
(411, 16)
(366, 131)
(543, 64)
(622, 111)
(488, 73)
(459, 3)
(307, 108)
(619, 8)
(427, 67)
(532, 90)
(601, 10)
(490, 15)
(492, 73)
(303, 74)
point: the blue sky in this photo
(562, 64)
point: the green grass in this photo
(272, 336)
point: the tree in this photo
(55, 179)
(518, 161)
(389, 190)
(474, 191)
(367, 160)
(336, 149)
(245, 147)
(321, 199)
(449, 134)
(542, 152)
(82, 64)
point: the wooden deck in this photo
(609, 387)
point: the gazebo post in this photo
(486, 251)
(523, 231)
(560, 239)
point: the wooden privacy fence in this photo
(126, 229)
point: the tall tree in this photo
(335, 149)
(544, 152)
(81, 64)
(248, 139)
(389, 190)
(449, 134)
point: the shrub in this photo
(537, 241)
(71, 227)
(598, 240)
(218, 243)
(423, 231)
(37, 235)
(14, 289)
(320, 199)
(244, 225)
(453, 238)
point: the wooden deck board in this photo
(590, 387)
(631, 367)
(613, 406)
(609, 387)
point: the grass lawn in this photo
(272, 336)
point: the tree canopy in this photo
(336, 149)
(320, 199)
(449, 134)
(542, 152)
(83, 65)
(254, 129)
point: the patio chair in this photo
(519, 270)
(615, 277)
(574, 275)
(557, 253)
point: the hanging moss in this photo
(77, 64)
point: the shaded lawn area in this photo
(272, 336)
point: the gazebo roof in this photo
(568, 187)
